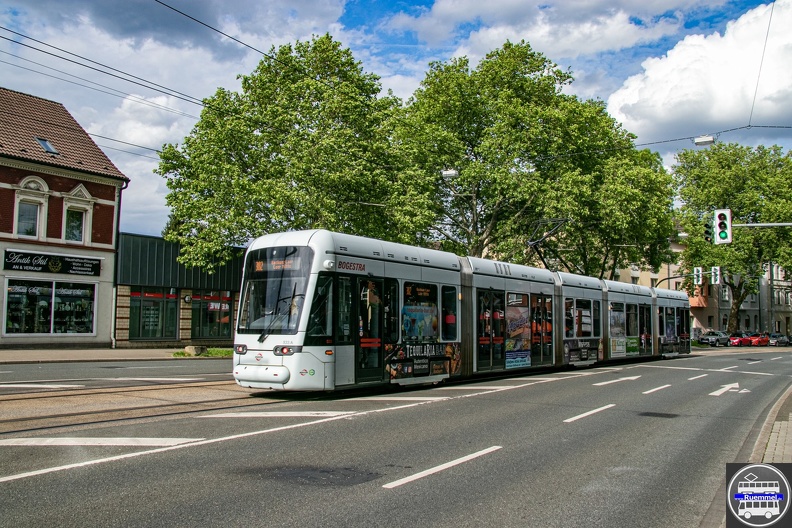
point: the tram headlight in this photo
(286, 350)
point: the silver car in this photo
(713, 338)
(778, 340)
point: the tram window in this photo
(391, 306)
(596, 331)
(344, 311)
(632, 320)
(320, 321)
(670, 328)
(586, 319)
(448, 324)
(419, 313)
(617, 319)
(569, 318)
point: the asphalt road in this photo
(636, 445)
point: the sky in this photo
(669, 70)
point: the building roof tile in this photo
(25, 119)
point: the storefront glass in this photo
(153, 313)
(49, 307)
(211, 314)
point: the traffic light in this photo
(698, 276)
(723, 226)
(715, 275)
(708, 232)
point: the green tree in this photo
(304, 144)
(523, 151)
(756, 184)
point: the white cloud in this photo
(707, 83)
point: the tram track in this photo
(32, 412)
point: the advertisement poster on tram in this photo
(518, 337)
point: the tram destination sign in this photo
(51, 263)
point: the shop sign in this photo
(47, 263)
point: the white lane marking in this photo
(711, 370)
(45, 471)
(650, 391)
(697, 377)
(156, 379)
(629, 378)
(39, 386)
(399, 398)
(277, 414)
(478, 387)
(729, 368)
(96, 441)
(441, 467)
(725, 388)
(579, 416)
(779, 357)
(209, 441)
(754, 362)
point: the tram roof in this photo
(328, 242)
(513, 271)
(623, 287)
(671, 295)
(583, 281)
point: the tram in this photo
(321, 311)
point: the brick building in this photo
(59, 211)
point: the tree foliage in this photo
(756, 184)
(304, 144)
(525, 152)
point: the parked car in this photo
(713, 338)
(778, 340)
(759, 339)
(739, 339)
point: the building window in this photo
(211, 314)
(46, 307)
(27, 219)
(47, 146)
(75, 222)
(153, 313)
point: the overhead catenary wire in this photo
(125, 76)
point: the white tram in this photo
(323, 311)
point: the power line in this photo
(128, 77)
(118, 93)
(761, 62)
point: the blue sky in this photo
(668, 69)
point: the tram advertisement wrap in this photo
(518, 337)
(581, 349)
(428, 359)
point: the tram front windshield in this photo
(273, 290)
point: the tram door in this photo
(491, 331)
(369, 343)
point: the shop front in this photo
(160, 303)
(56, 299)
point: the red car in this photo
(739, 339)
(759, 339)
